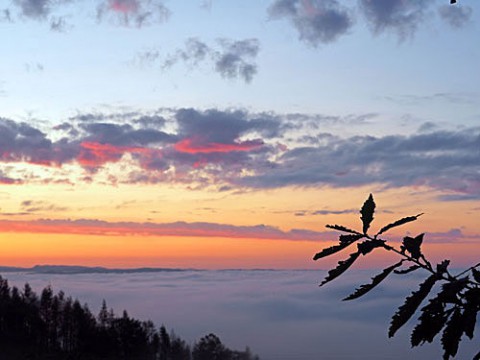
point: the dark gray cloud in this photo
(35, 206)
(235, 59)
(440, 159)
(20, 141)
(324, 212)
(71, 131)
(398, 16)
(35, 9)
(136, 13)
(119, 117)
(6, 15)
(194, 52)
(150, 121)
(229, 149)
(123, 135)
(453, 235)
(93, 140)
(317, 22)
(456, 16)
(335, 212)
(39, 10)
(222, 143)
(59, 24)
(133, 12)
(232, 59)
(224, 126)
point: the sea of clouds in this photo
(279, 314)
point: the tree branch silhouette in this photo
(453, 309)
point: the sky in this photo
(215, 134)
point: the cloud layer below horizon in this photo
(279, 314)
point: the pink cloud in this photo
(197, 229)
(124, 6)
(309, 8)
(180, 228)
(196, 146)
(93, 154)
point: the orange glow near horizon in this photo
(185, 252)
(171, 226)
(23, 249)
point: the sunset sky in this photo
(227, 134)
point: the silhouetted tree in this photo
(47, 318)
(56, 327)
(452, 311)
(164, 344)
(209, 348)
(179, 350)
(103, 315)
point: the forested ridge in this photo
(56, 327)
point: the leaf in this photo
(451, 291)
(342, 228)
(350, 238)
(411, 304)
(398, 223)
(363, 289)
(476, 275)
(408, 270)
(431, 322)
(471, 308)
(469, 320)
(367, 211)
(341, 268)
(412, 245)
(442, 267)
(345, 240)
(331, 250)
(452, 334)
(367, 246)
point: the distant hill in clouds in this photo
(75, 269)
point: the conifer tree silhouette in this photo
(54, 327)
